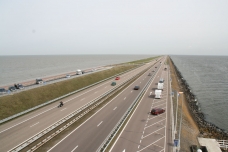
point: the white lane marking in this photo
(34, 124)
(138, 146)
(124, 150)
(124, 98)
(82, 99)
(95, 92)
(99, 124)
(106, 87)
(150, 93)
(140, 141)
(131, 91)
(74, 148)
(115, 108)
(140, 82)
(63, 109)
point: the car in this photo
(165, 69)
(155, 67)
(113, 83)
(149, 74)
(12, 88)
(156, 111)
(39, 81)
(161, 80)
(67, 76)
(19, 86)
(153, 71)
(136, 88)
(117, 78)
(3, 91)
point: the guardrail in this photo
(120, 123)
(58, 123)
(59, 98)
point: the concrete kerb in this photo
(56, 99)
(53, 126)
(117, 127)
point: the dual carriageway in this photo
(143, 131)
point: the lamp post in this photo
(180, 119)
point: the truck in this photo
(79, 72)
(160, 86)
(158, 94)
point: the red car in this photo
(157, 111)
(117, 78)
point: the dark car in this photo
(117, 78)
(39, 81)
(113, 83)
(3, 91)
(155, 67)
(149, 74)
(12, 88)
(161, 80)
(153, 71)
(19, 86)
(157, 111)
(136, 88)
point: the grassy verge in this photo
(22, 101)
(143, 60)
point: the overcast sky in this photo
(33, 27)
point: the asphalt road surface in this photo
(18, 130)
(145, 132)
(90, 135)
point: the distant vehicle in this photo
(158, 94)
(156, 111)
(3, 91)
(161, 80)
(117, 78)
(153, 71)
(113, 83)
(12, 88)
(160, 86)
(136, 88)
(155, 67)
(149, 74)
(19, 86)
(67, 76)
(165, 69)
(39, 81)
(79, 72)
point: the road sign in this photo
(176, 142)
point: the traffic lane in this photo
(25, 131)
(132, 140)
(50, 107)
(109, 116)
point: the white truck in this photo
(79, 72)
(160, 86)
(158, 94)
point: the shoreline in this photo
(206, 129)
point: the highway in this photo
(18, 130)
(90, 135)
(145, 132)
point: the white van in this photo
(160, 86)
(158, 94)
(79, 72)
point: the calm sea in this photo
(208, 79)
(15, 69)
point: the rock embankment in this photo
(207, 129)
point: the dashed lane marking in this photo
(34, 124)
(74, 148)
(99, 124)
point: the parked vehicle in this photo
(117, 78)
(136, 88)
(156, 111)
(165, 69)
(149, 74)
(3, 91)
(12, 88)
(158, 94)
(19, 86)
(113, 83)
(79, 72)
(160, 86)
(39, 81)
